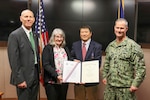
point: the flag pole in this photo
(39, 53)
(118, 8)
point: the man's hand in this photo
(76, 60)
(133, 89)
(22, 85)
(104, 81)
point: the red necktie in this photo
(83, 51)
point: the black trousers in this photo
(56, 91)
(31, 92)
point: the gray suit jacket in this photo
(21, 57)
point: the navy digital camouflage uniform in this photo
(124, 66)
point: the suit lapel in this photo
(27, 39)
(80, 50)
(89, 51)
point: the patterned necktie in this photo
(83, 51)
(33, 45)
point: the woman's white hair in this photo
(57, 31)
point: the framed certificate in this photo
(81, 72)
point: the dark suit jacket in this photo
(49, 64)
(21, 57)
(93, 53)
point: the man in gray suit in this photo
(23, 58)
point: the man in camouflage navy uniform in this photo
(124, 67)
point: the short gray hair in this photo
(57, 31)
(122, 20)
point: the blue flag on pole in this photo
(121, 9)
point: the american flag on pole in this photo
(41, 31)
(121, 9)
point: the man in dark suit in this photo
(92, 52)
(23, 58)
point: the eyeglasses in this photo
(58, 36)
